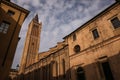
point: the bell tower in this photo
(32, 43)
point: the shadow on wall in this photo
(8, 42)
(105, 68)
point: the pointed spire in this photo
(36, 18)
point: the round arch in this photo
(77, 49)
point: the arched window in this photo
(77, 48)
(74, 37)
(63, 67)
(80, 74)
(55, 69)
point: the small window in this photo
(77, 48)
(115, 22)
(80, 74)
(4, 27)
(10, 13)
(74, 37)
(95, 33)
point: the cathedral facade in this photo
(91, 52)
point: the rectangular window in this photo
(4, 27)
(107, 71)
(10, 13)
(115, 22)
(74, 37)
(95, 33)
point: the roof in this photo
(36, 18)
(98, 15)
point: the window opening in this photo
(77, 48)
(95, 33)
(115, 22)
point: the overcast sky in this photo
(59, 18)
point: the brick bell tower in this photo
(32, 43)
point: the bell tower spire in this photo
(36, 18)
(32, 43)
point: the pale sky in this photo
(59, 18)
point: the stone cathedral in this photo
(91, 52)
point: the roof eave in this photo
(98, 15)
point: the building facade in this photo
(91, 52)
(11, 18)
(51, 65)
(94, 49)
